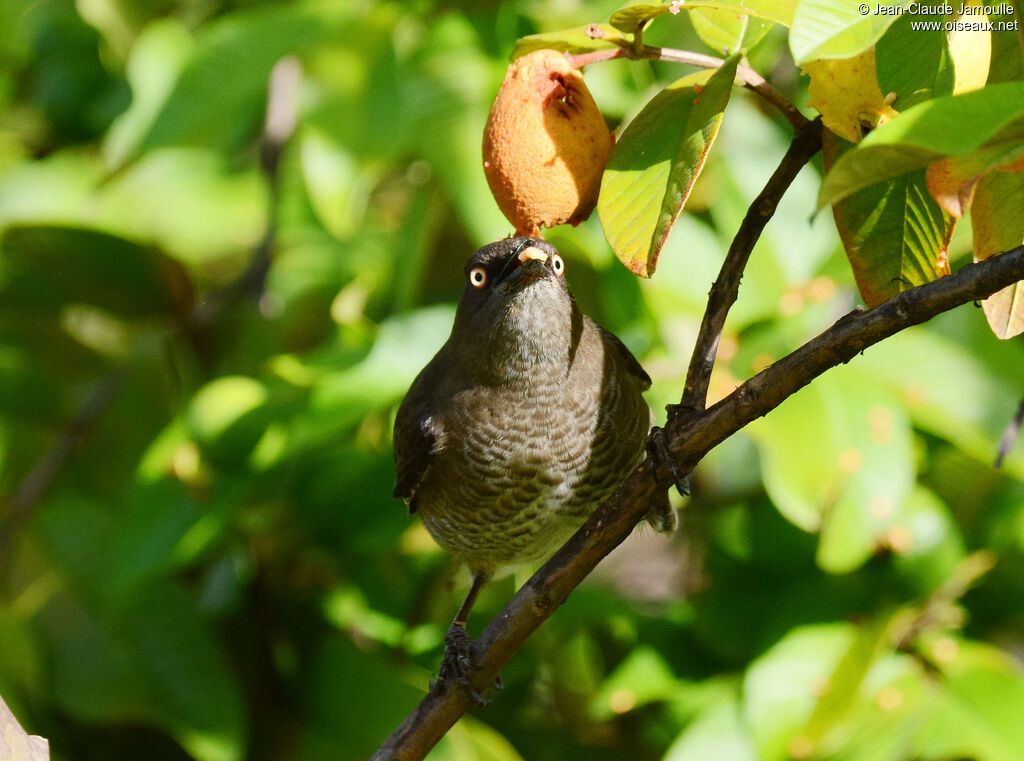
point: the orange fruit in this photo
(545, 144)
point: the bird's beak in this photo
(515, 264)
(532, 252)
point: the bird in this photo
(528, 417)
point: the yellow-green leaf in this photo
(997, 218)
(894, 233)
(655, 163)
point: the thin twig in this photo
(1009, 436)
(688, 442)
(726, 287)
(585, 59)
(39, 480)
(745, 75)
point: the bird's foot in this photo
(458, 662)
(657, 448)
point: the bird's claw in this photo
(457, 663)
(657, 448)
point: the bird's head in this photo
(516, 311)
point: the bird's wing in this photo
(416, 436)
(633, 367)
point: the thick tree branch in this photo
(688, 441)
(692, 439)
(726, 288)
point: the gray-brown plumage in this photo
(527, 418)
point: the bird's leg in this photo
(458, 658)
(657, 448)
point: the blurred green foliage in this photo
(216, 569)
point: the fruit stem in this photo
(584, 59)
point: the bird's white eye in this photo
(478, 277)
(557, 264)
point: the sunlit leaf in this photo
(894, 233)
(228, 416)
(837, 457)
(998, 223)
(845, 92)
(219, 97)
(953, 125)
(642, 678)
(656, 161)
(970, 49)
(844, 686)
(779, 11)
(634, 17)
(580, 39)
(836, 28)
(976, 711)
(157, 58)
(780, 688)
(719, 733)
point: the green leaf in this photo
(779, 11)
(997, 217)
(218, 100)
(780, 688)
(913, 63)
(953, 125)
(916, 366)
(336, 727)
(718, 733)
(49, 266)
(642, 678)
(472, 740)
(726, 31)
(628, 19)
(894, 233)
(976, 712)
(227, 417)
(151, 643)
(843, 690)
(338, 186)
(933, 545)
(157, 58)
(404, 344)
(837, 457)
(836, 28)
(634, 17)
(1007, 60)
(575, 40)
(656, 161)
